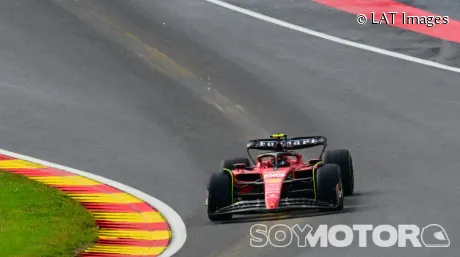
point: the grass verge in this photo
(40, 221)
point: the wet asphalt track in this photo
(155, 94)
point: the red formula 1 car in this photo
(280, 179)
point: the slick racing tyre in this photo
(329, 185)
(229, 164)
(220, 194)
(342, 158)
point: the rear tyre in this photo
(342, 158)
(229, 164)
(220, 194)
(329, 185)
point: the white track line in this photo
(333, 38)
(179, 232)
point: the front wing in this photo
(256, 206)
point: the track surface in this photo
(322, 18)
(93, 85)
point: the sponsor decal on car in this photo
(273, 175)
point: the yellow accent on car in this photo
(233, 183)
(273, 180)
(315, 167)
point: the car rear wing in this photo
(288, 144)
(280, 142)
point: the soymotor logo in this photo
(281, 235)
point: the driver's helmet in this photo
(282, 161)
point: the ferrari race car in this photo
(280, 179)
